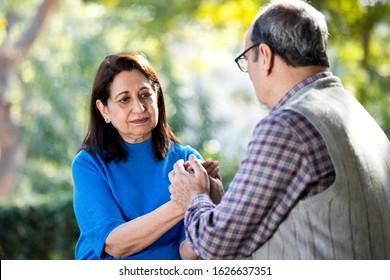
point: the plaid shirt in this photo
(286, 161)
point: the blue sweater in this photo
(107, 195)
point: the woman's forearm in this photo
(135, 235)
(186, 252)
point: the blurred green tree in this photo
(12, 53)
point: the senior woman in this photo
(121, 198)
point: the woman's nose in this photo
(138, 106)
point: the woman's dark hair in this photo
(102, 138)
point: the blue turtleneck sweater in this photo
(107, 195)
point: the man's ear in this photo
(103, 110)
(266, 57)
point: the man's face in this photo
(255, 68)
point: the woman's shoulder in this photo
(185, 150)
(84, 157)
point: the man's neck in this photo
(286, 77)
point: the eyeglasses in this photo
(242, 61)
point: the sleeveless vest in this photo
(351, 219)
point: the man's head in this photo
(294, 30)
(285, 44)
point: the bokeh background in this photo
(50, 50)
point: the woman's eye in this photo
(146, 94)
(124, 100)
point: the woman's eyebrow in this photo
(116, 95)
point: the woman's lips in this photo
(140, 121)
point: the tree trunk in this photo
(11, 56)
(11, 152)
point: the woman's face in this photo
(131, 107)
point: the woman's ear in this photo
(103, 110)
(266, 57)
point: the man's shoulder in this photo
(286, 123)
(284, 118)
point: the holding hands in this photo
(194, 177)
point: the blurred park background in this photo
(49, 52)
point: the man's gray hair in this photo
(294, 30)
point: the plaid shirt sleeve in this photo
(285, 161)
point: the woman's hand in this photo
(186, 252)
(216, 187)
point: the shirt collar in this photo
(299, 86)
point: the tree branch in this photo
(31, 33)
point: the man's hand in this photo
(186, 185)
